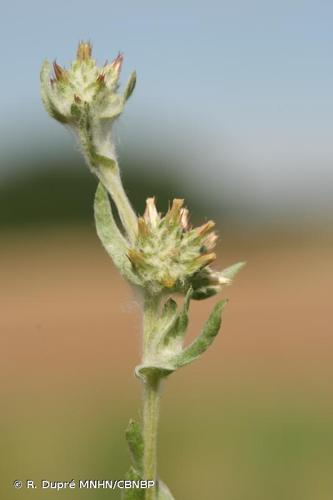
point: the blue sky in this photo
(243, 88)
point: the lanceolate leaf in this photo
(177, 332)
(169, 354)
(201, 343)
(49, 104)
(166, 323)
(168, 314)
(110, 235)
(130, 86)
(135, 444)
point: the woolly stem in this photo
(151, 399)
(107, 170)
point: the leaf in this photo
(46, 93)
(170, 356)
(154, 371)
(231, 271)
(111, 109)
(167, 342)
(202, 285)
(163, 492)
(205, 293)
(133, 493)
(113, 241)
(104, 161)
(169, 311)
(175, 335)
(130, 86)
(165, 323)
(76, 111)
(203, 341)
(135, 444)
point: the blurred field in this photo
(252, 420)
(232, 112)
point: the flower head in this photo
(169, 254)
(85, 97)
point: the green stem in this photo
(151, 398)
(107, 170)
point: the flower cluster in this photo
(160, 254)
(170, 255)
(86, 98)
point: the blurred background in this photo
(233, 112)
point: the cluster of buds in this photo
(169, 255)
(160, 254)
(86, 98)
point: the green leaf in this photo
(130, 86)
(150, 370)
(133, 493)
(110, 109)
(175, 335)
(167, 341)
(169, 311)
(76, 112)
(205, 293)
(163, 492)
(202, 285)
(135, 444)
(165, 323)
(231, 271)
(113, 241)
(104, 161)
(203, 341)
(46, 93)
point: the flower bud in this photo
(59, 72)
(151, 215)
(84, 51)
(85, 97)
(117, 63)
(168, 253)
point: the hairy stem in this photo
(150, 427)
(107, 170)
(151, 399)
